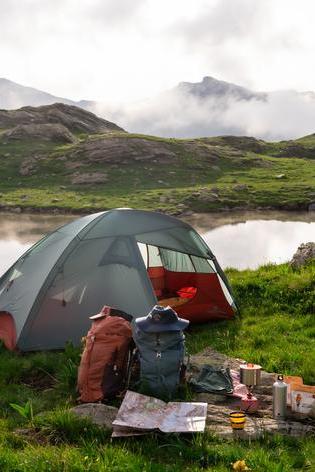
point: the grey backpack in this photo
(162, 364)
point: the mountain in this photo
(13, 96)
(213, 107)
(211, 87)
(210, 107)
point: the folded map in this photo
(140, 414)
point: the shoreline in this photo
(186, 213)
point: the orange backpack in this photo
(104, 363)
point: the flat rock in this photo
(218, 422)
(98, 413)
(220, 405)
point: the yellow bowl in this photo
(237, 419)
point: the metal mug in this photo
(250, 374)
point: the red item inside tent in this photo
(204, 296)
(187, 292)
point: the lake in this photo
(241, 240)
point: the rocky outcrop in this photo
(304, 254)
(45, 132)
(73, 118)
(242, 143)
(294, 149)
(123, 150)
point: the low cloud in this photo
(282, 115)
(223, 21)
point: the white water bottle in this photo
(279, 398)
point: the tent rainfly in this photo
(128, 259)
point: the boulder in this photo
(304, 254)
(98, 413)
(28, 166)
(163, 199)
(204, 196)
(240, 187)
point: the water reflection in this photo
(240, 240)
(19, 232)
(254, 243)
(29, 228)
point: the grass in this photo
(276, 329)
(201, 166)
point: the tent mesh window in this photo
(160, 261)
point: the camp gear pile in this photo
(161, 345)
(103, 370)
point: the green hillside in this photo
(68, 165)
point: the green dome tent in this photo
(128, 259)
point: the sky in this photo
(128, 50)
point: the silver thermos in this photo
(279, 398)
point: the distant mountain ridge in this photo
(210, 107)
(209, 86)
(13, 96)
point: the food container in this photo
(250, 374)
